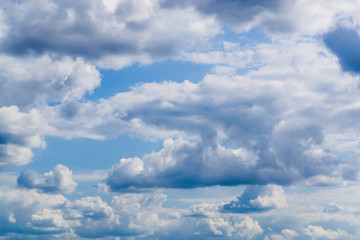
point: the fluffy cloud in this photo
(20, 131)
(34, 80)
(319, 232)
(270, 125)
(182, 164)
(30, 212)
(113, 33)
(58, 180)
(277, 16)
(258, 199)
(234, 228)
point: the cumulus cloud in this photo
(59, 180)
(229, 229)
(114, 33)
(34, 80)
(20, 131)
(274, 124)
(276, 16)
(30, 212)
(182, 164)
(258, 199)
(319, 232)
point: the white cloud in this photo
(20, 131)
(59, 180)
(276, 119)
(257, 199)
(319, 232)
(232, 228)
(33, 80)
(28, 211)
(289, 234)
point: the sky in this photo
(165, 119)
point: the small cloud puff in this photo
(59, 180)
(258, 199)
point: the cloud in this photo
(30, 212)
(34, 80)
(232, 229)
(104, 31)
(59, 180)
(276, 17)
(319, 232)
(258, 199)
(345, 44)
(289, 234)
(20, 131)
(271, 124)
(181, 164)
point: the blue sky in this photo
(163, 119)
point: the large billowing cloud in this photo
(271, 125)
(58, 180)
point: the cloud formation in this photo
(112, 33)
(59, 180)
(258, 199)
(270, 125)
(20, 131)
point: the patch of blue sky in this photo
(184, 198)
(87, 154)
(115, 81)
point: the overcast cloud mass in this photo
(100, 140)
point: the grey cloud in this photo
(182, 164)
(100, 29)
(276, 123)
(59, 180)
(231, 11)
(258, 199)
